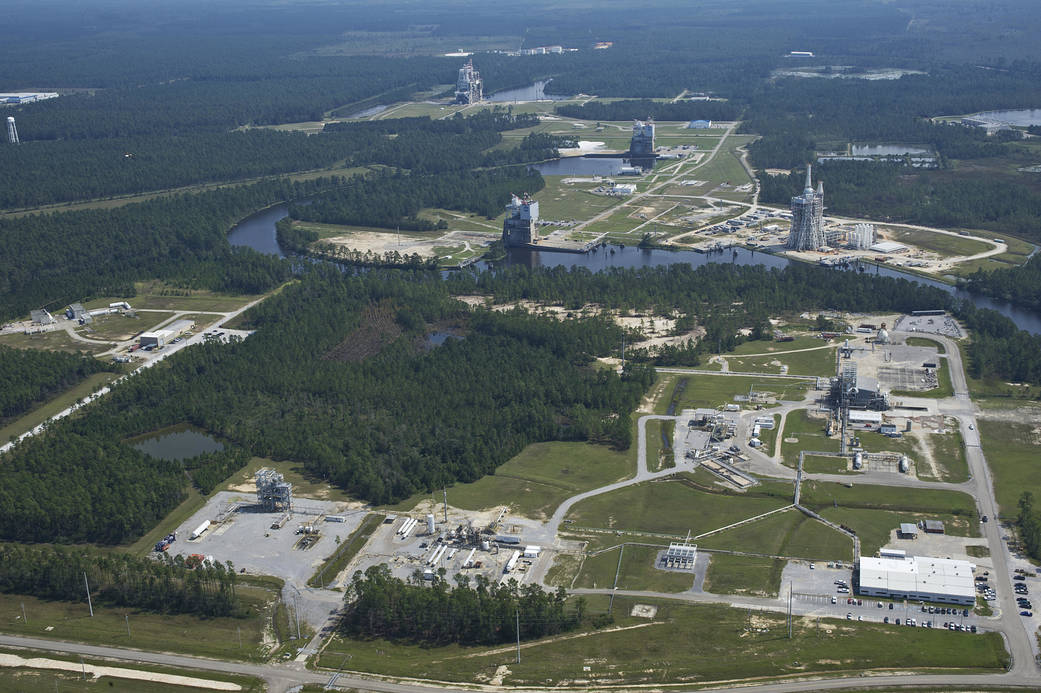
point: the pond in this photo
(177, 443)
(1023, 117)
(257, 231)
(436, 339)
(889, 149)
(532, 92)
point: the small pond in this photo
(581, 166)
(177, 443)
(532, 92)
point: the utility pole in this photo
(24, 619)
(239, 629)
(127, 617)
(518, 634)
(89, 604)
(445, 490)
(296, 615)
(84, 668)
(789, 610)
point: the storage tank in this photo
(905, 464)
(431, 526)
(200, 529)
(486, 546)
(858, 460)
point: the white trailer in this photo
(470, 558)
(200, 529)
(512, 563)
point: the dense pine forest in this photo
(30, 376)
(378, 605)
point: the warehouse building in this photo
(917, 578)
(159, 338)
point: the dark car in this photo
(1025, 613)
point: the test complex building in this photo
(520, 227)
(807, 217)
(917, 578)
(468, 87)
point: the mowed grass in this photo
(712, 391)
(637, 571)
(54, 340)
(810, 433)
(560, 201)
(539, 479)
(817, 362)
(1011, 450)
(211, 637)
(24, 678)
(790, 534)
(155, 295)
(874, 527)
(949, 453)
(943, 244)
(45, 410)
(748, 575)
(117, 327)
(670, 506)
(926, 342)
(657, 651)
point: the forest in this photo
(1019, 285)
(394, 200)
(167, 586)
(378, 605)
(31, 376)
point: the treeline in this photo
(893, 192)
(211, 468)
(119, 579)
(31, 376)
(647, 108)
(1019, 285)
(63, 257)
(393, 200)
(38, 173)
(1029, 522)
(378, 605)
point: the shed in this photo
(532, 551)
(934, 526)
(908, 530)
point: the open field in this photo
(713, 391)
(42, 412)
(156, 295)
(926, 342)
(212, 637)
(949, 452)
(54, 340)
(790, 534)
(810, 434)
(559, 201)
(24, 678)
(646, 651)
(117, 327)
(750, 575)
(817, 362)
(1011, 450)
(943, 244)
(537, 480)
(1017, 253)
(637, 571)
(819, 464)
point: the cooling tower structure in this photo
(12, 130)
(807, 217)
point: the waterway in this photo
(581, 166)
(258, 232)
(177, 444)
(532, 92)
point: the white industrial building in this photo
(622, 189)
(682, 552)
(864, 419)
(21, 97)
(159, 338)
(889, 247)
(918, 578)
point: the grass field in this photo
(943, 244)
(46, 410)
(637, 571)
(55, 340)
(646, 652)
(564, 570)
(668, 507)
(714, 391)
(117, 327)
(561, 202)
(817, 362)
(1018, 252)
(347, 550)
(537, 480)
(810, 433)
(926, 342)
(790, 534)
(819, 464)
(20, 679)
(156, 295)
(949, 453)
(1011, 451)
(874, 527)
(749, 575)
(212, 637)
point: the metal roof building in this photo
(918, 578)
(908, 529)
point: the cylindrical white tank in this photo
(858, 460)
(485, 546)
(905, 464)
(431, 526)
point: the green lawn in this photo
(659, 650)
(926, 342)
(704, 390)
(943, 244)
(637, 571)
(819, 464)
(874, 527)
(791, 534)
(537, 480)
(817, 362)
(560, 201)
(949, 453)
(810, 434)
(212, 637)
(1011, 450)
(670, 506)
(117, 327)
(46, 410)
(55, 340)
(159, 296)
(749, 575)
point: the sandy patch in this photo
(10, 660)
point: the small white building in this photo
(532, 551)
(889, 247)
(622, 189)
(918, 578)
(865, 419)
(683, 552)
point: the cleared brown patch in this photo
(377, 329)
